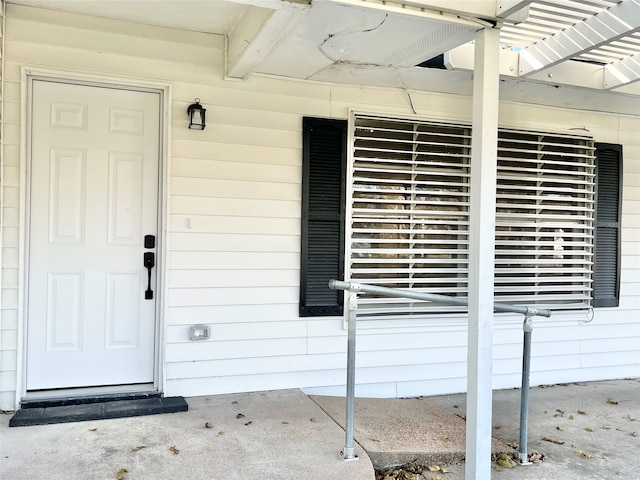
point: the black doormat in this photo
(98, 409)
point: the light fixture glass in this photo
(196, 114)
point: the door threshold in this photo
(86, 395)
(120, 408)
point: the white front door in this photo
(94, 157)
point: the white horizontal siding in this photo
(233, 260)
(208, 187)
(234, 227)
(202, 242)
(241, 207)
(233, 169)
(250, 225)
(262, 295)
(244, 95)
(232, 314)
(243, 155)
(224, 332)
(218, 278)
(269, 347)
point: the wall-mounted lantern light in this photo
(196, 114)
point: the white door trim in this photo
(165, 91)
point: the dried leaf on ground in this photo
(220, 432)
(312, 419)
(240, 415)
(559, 428)
(633, 434)
(138, 448)
(583, 454)
(235, 402)
(588, 429)
(208, 425)
(582, 412)
(505, 461)
(437, 468)
(174, 450)
(120, 474)
(93, 429)
(570, 417)
(611, 401)
(536, 457)
(553, 440)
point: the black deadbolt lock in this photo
(149, 241)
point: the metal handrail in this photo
(354, 288)
(432, 297)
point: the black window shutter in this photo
(324, 159)
(606, 281)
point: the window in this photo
(409, 211)
(544, 219)
(606, 289)
(407, 201)
(324, 144)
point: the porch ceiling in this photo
(576, 53)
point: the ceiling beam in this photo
(513, 10)
(572, 74)
(622, 72)
(618, 21)
(429, 10)
(257, 32)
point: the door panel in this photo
(93, 197)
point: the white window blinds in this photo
(544, 219)
(409, 211)
(409, 215)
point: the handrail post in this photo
(527, 327)
(352, 306)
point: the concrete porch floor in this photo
(288, 435)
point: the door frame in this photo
(165, 91)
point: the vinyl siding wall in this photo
(234, 221)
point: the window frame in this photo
(347, 129)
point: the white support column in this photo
(481, 256)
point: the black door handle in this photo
(149, 263)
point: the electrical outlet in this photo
(199, 332)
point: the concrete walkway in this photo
(266, 435)
(584, 430)
(399, 431)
